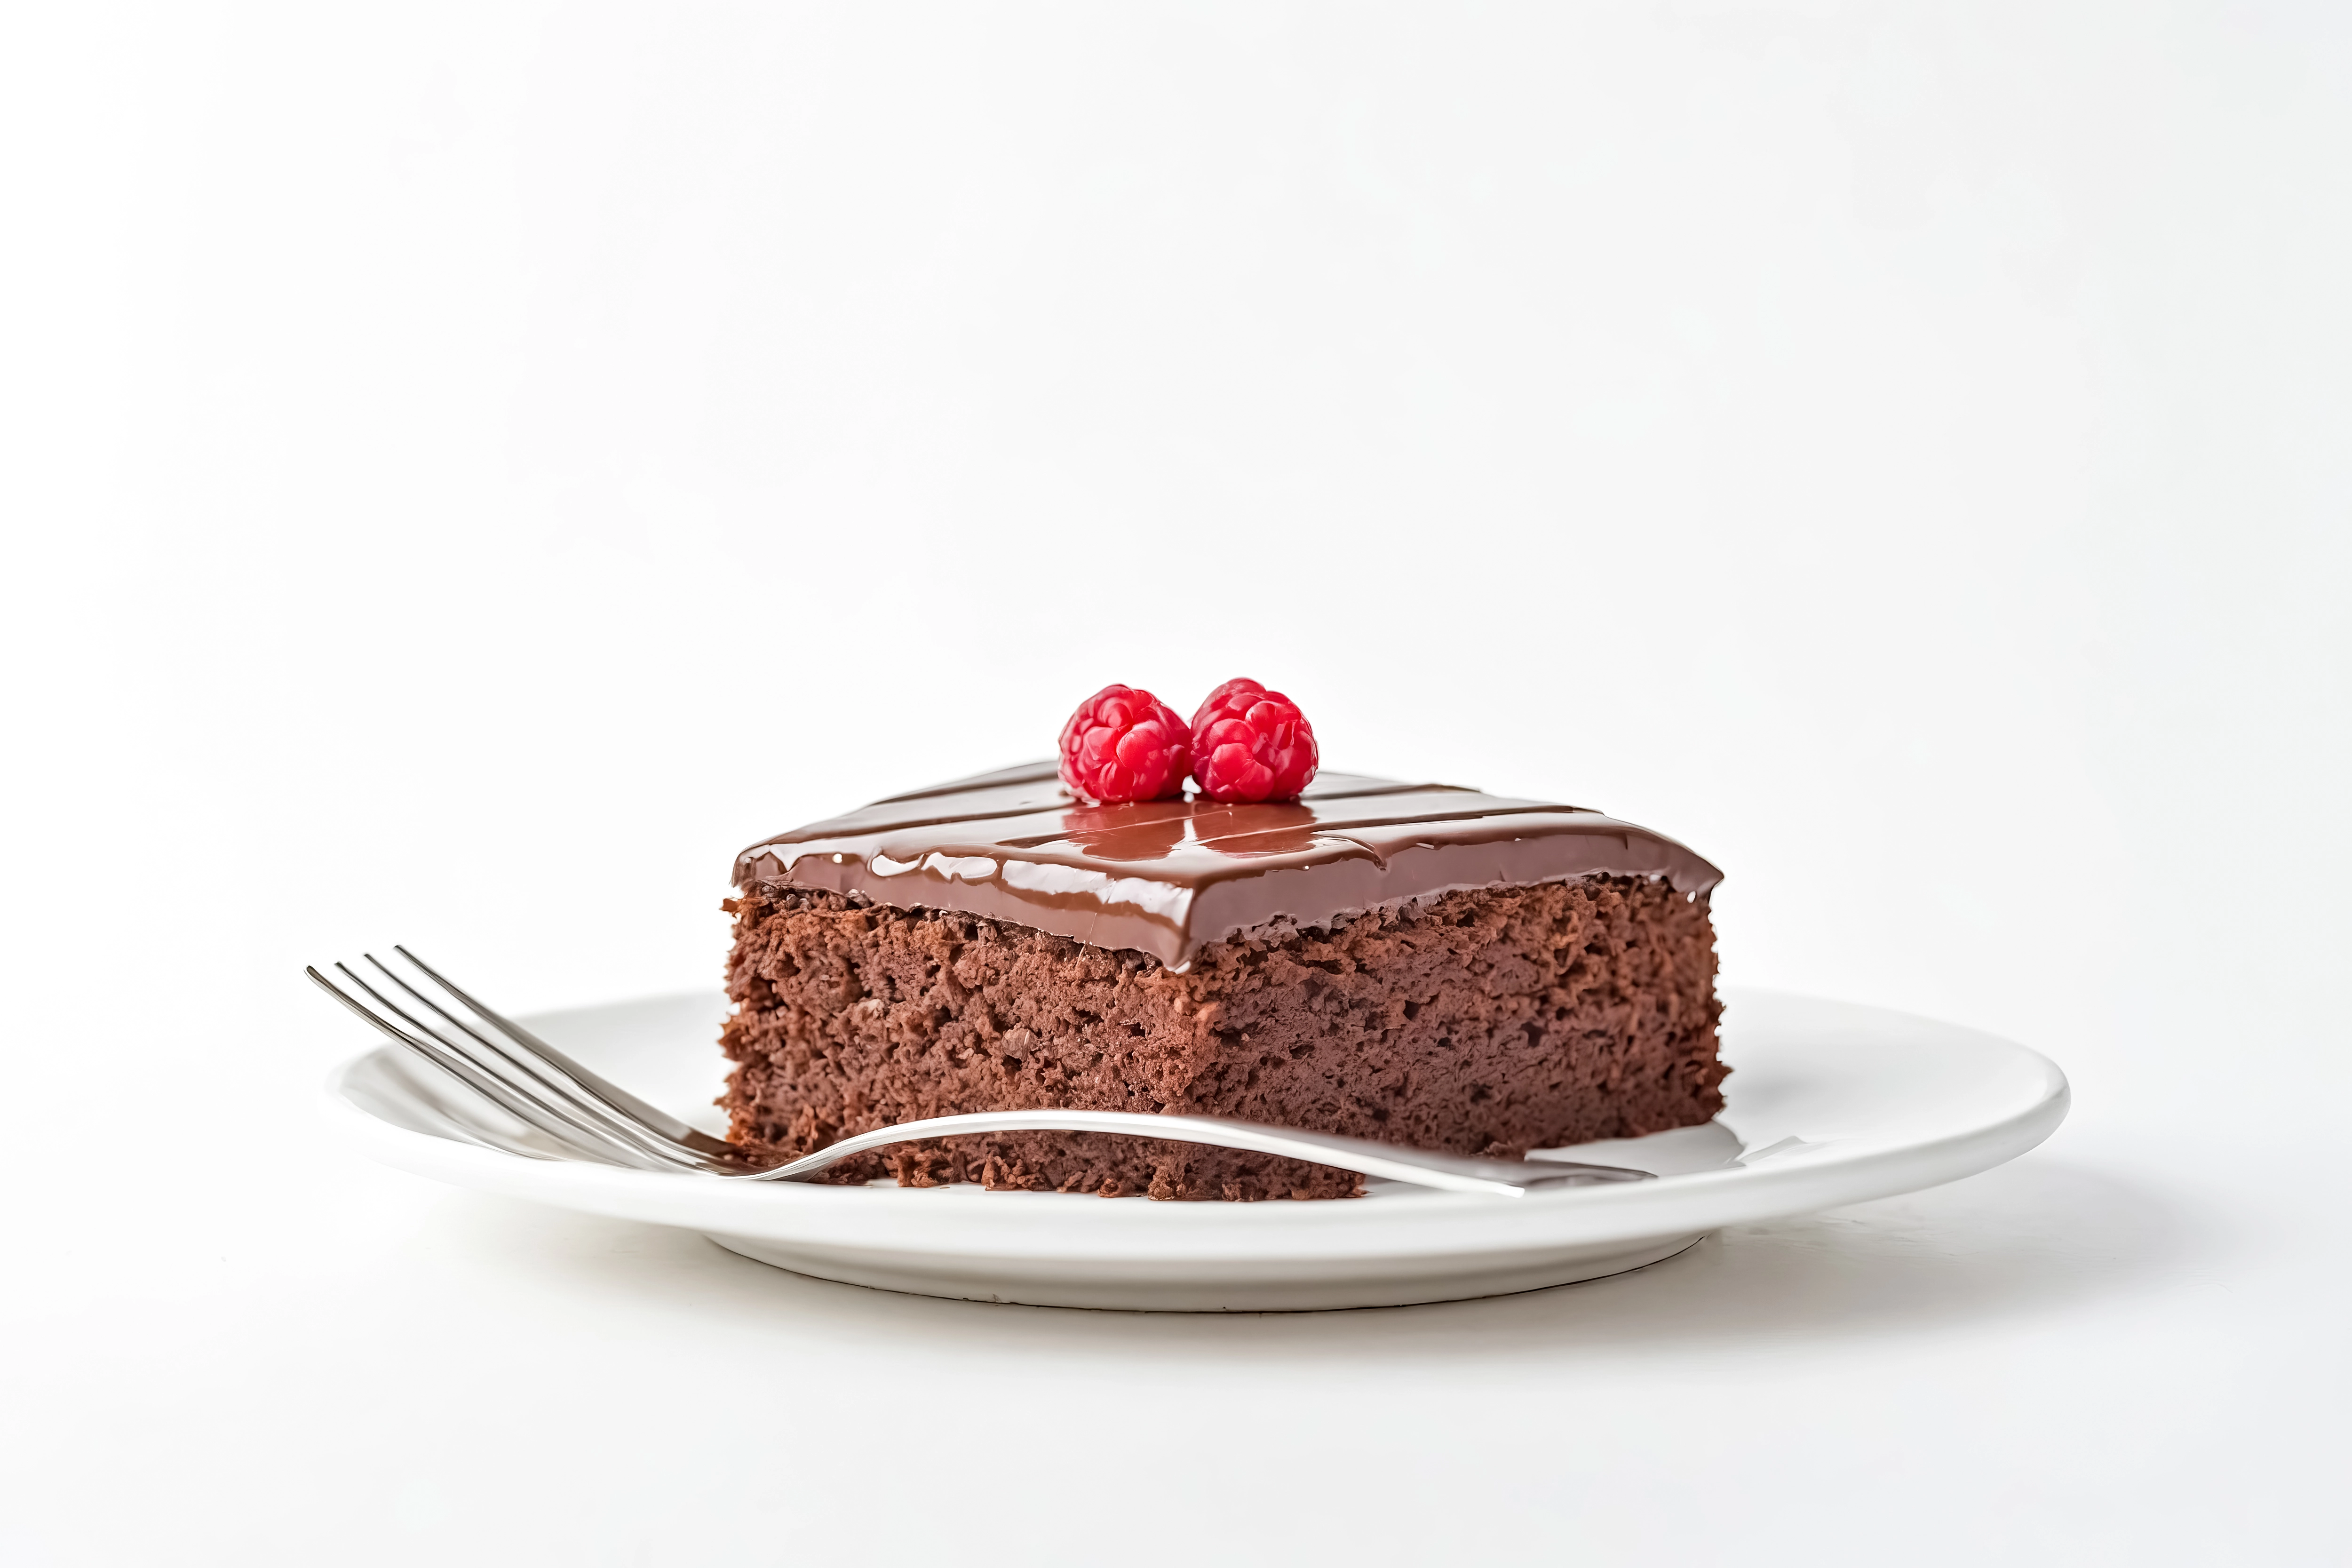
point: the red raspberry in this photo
(1124, 744)
(1249, 743)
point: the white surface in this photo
(1898, 449)
(1829, 1104)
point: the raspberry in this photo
(1250, 744)
(1124, 744)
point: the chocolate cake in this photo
(1417, 963)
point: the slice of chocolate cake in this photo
(1417, 963)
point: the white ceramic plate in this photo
(1829, 1103)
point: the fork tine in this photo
(609, 1128)
(453, 1020)
(548, 1120)
(540, 1075)
(524, 1077)
(614, 1097)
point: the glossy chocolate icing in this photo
(1166, 877)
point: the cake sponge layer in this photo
(1489, 1021)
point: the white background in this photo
(470, 468)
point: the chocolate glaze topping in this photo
(1165, 877)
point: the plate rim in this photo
(1420, 1224)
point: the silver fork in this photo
(521, 1074)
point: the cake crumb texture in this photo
(1483, 1022)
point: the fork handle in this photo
(1450, 1173)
